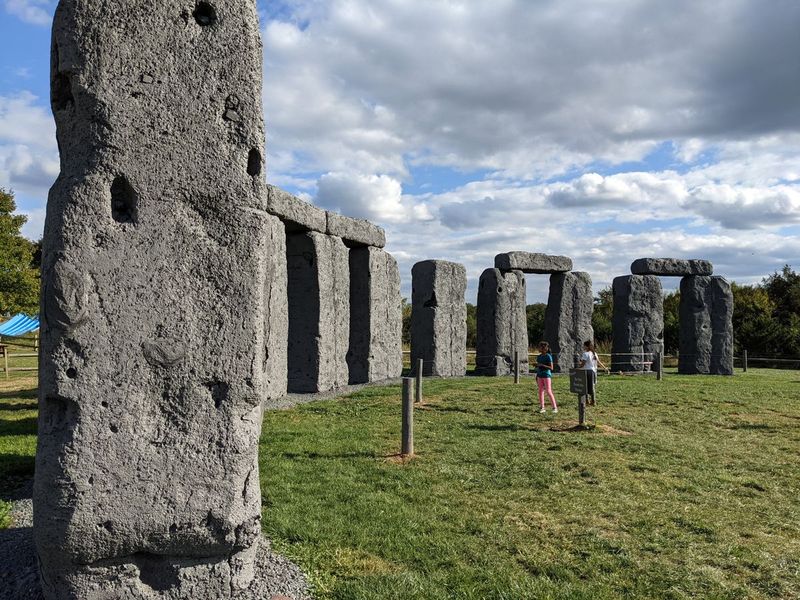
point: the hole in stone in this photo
(113, 427)
(72, 372)
(254, 163)
(219, 392)
(123, 201)
(157, 572)
(173, 528)
(61, 92)
(108, 526)
(91, 480)
(104, 404)
(205, 14)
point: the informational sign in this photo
(578, 383)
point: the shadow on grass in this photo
(18, 427)
(332, 456)
(18, 406)
(509, 427)
(22, 394)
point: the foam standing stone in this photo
(532, 262)
(158, 254)
(297, 215)
(376, 321)
(502, 327)
(318, 269)
(637, 322)
(671, 267)
(706, 326)
(439, 318)
(355, 232)
(568, 317)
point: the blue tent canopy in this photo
(19, 325)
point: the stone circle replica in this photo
(181, 293)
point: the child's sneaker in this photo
(555, 410)
(542, 410)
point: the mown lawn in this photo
(688, 488)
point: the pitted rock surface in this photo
(637, 322)
(439, 318)
(706, 326)
(671, 267)
(532, 262)
(376, 320)
(502, 327)
(355, 232)
(156, 343)
(298, 215)
(568, 317)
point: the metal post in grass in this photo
(516, 366)
(407, 435)
(659, 366)
(418, 382)
(744, 361)
(4, 350)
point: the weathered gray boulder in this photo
(355, 232)
(706, 326)
(502, 327)
(674, 267)
(156, 342)
(298, 215)
(376, 320)
(318, 268)
(638, 322)
(531, 262)
(568, 317)
(439, 318)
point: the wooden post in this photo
(418, 382)
(659, 366)
(5, 358)
(407, 441)
(516, 366)
(744, 361)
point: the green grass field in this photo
(686, 488)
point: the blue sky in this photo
(606, 130)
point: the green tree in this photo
(534, 314)
(19, 281)
(783, 288)
(472, 325)
(755, 327)
(405, 306)
(602, 317)
(672, 326)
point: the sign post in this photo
(579, 384)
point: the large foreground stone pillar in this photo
(568, 317)
(502, 327)
(706, 326)
(439, 318)
(638, 322)
(318, 268)
(156, 342)
(376, 320)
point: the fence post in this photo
(5, 358)
(516, 366)
(659, 366)
(407, 439)
(418, 382)
(744, 362)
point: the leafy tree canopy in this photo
(19, 281)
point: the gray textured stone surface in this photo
(355, 232)
(157, 251)
(376, 321)
(502, 325)
(706, 326)
(298, 215)
(568, 317)
(638, 322)
(532, 262)
(439, 318)
(671, 267)
(319, 311)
